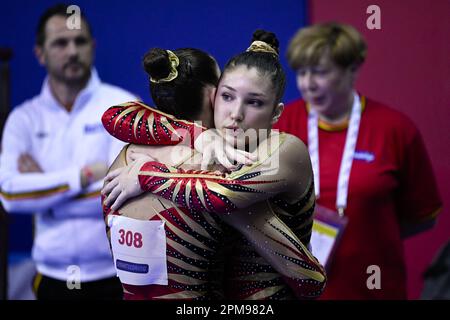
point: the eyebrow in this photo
(68, 38)
(229, 88)
(255, 94)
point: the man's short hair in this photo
(56, 10)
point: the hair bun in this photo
(156, 63)
(268, 37)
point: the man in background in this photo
(55, 153)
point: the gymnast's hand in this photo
(123, 183)
(215, 149)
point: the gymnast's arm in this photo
(290, 174)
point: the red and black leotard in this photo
(202, 191)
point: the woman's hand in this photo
(123, 183)
(137, 156)
(215, 149)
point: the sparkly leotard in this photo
(201, 191)
(194, 241)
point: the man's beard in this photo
(72, 81)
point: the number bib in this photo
(139, 250)
(327, 231)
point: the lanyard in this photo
(347, 157)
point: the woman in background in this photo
(375, 155)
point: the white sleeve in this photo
(30, 192)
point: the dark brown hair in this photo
(265, 62)
(56, 10)
(183, 96)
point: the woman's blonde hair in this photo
(344, 44)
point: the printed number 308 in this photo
(130, 239)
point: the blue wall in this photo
(125, 30)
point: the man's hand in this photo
(93, 172)
(123, 183)
(27, 164)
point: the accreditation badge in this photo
(328, 228)
(139, 250)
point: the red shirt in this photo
(391, 184)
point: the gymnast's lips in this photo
(233, 130)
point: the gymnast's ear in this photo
(277, 113)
